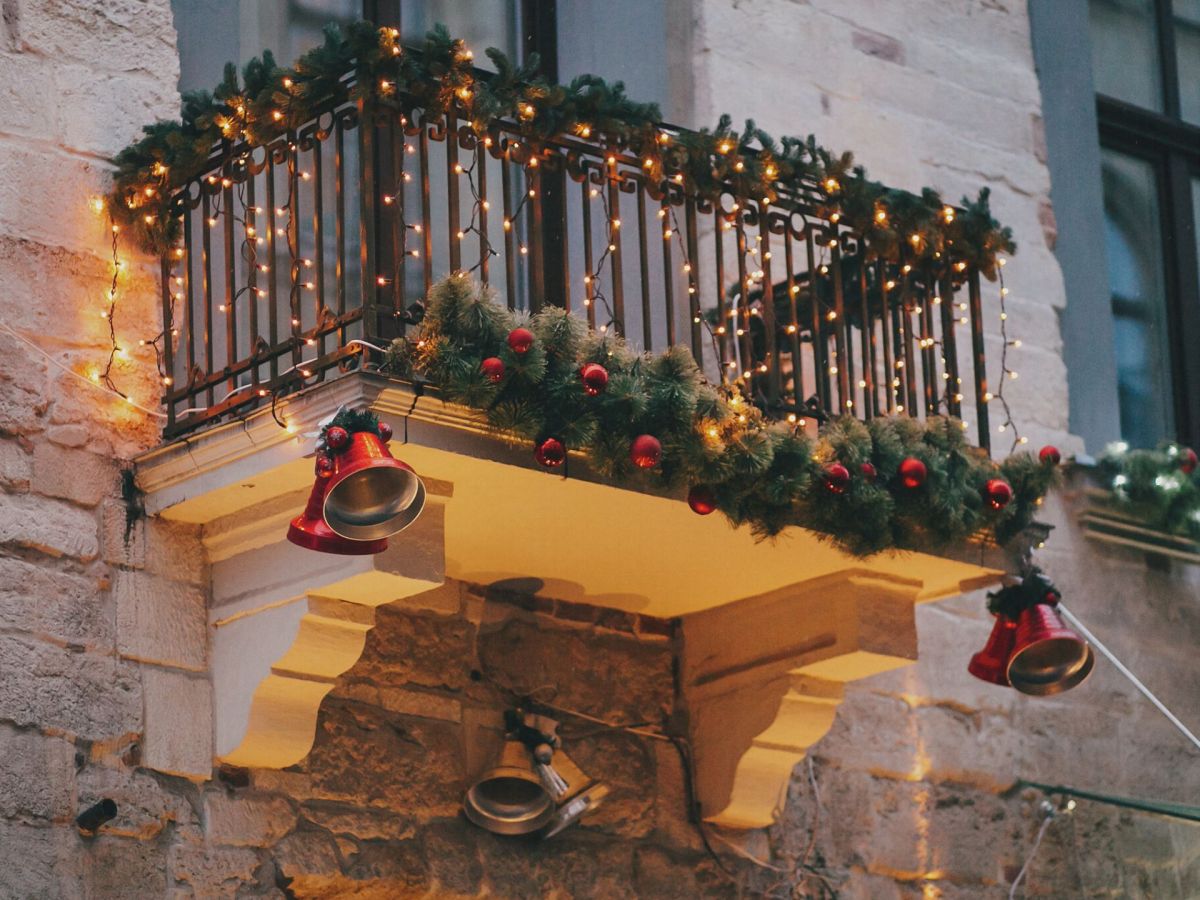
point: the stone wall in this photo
(102, 641)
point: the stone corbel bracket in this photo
(762, 679)
(276, 653)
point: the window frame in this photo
(1172, 146)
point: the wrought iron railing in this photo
(332, 234)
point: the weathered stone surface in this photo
(48, 526)
(368, 757)
(627, 680)
(365, 824)
(179, 727)
(62, 605)
(212, 871)
(146, 807)
(37, 777)
(16, 466)
(79, 693)
(76, 475)
(161, 621)
(414, 647)
(246, 820)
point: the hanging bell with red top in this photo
(371, 494)
(1047, 657)
(310, 531)
(991, 663)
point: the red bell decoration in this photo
(702, 500)
(520, 340)
(550, 453)
(1047, 656)
(913, 472)
(645, 451)
(998, 493)
(1187, 460)
(595, 379)
(868, 472)
(837, 478)
(492, 369)
(309, 530)
(1049, 455)
(372, 494)
(991, 663)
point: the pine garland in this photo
(1161, 487)
(764, 474)
(438, 76)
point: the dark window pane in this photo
(1187, 52)
(480, 23)
(1125, 59)
(214, 32)
(1135, 266)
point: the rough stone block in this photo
(50, 527)
(160, 621)
(246, 820)
(212, 871)
(16, 467)
(41, 600)
(37, 777)
(146, 807)
(76, 475)
(179, 731)
(80, 693)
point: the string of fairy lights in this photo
(752, 259)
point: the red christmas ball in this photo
(520, 340)
(595, 378)
(492, 368)
(868, 472)
(1187, 460)
(998, 493)
(324, 465)
(1050, 455)
(913, 472)
(702, 500)
(550, 452)
(337, 437)
(837, 478)
(645, 451)
(385, 432)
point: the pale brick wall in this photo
(102, 636)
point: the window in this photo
(1146, 71)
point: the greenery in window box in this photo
(438, 77)
(764, 474)
(1160, 487)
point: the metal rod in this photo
(1073, 620)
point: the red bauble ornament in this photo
(337, 437)
(385, 432)
(595, 378)
(998, 493)
(520, 340)
(550, 452)
(702, 500)
(492, 368)
(837, 478)
(1187, 461)
(913, 472)
(645, 451)
(1050, 455)
(868, 472)
(324, 465)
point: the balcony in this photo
(290, 263)
(334, 231)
